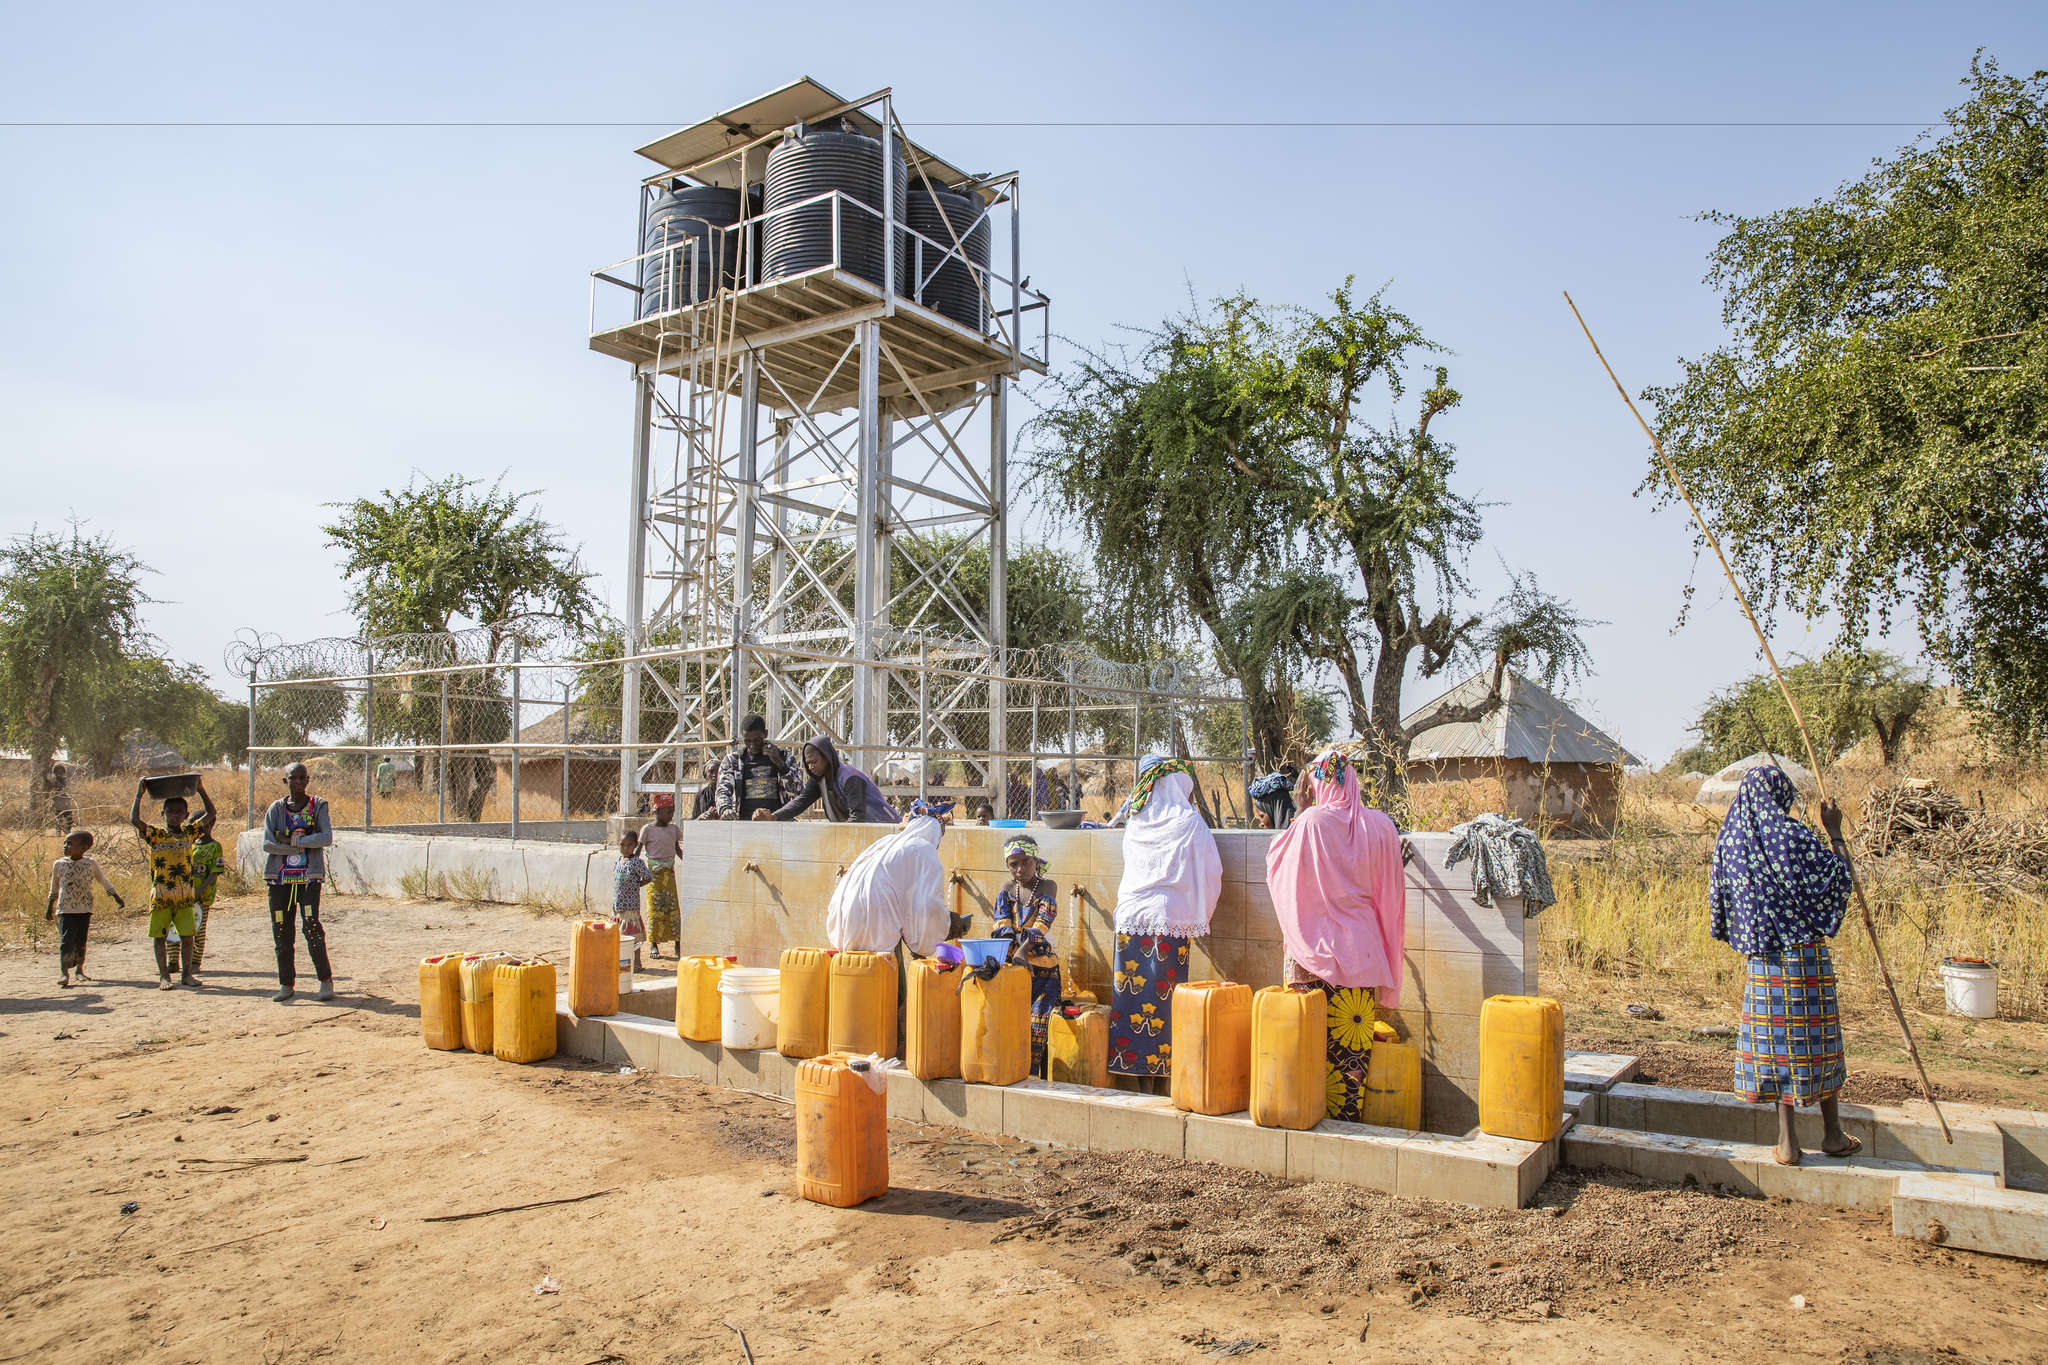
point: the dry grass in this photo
(1634, 907)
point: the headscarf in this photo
(1151, 768)
(894, 891)
(1337, 886)
(1026, 845)
(1172, 871)
(1775, 884)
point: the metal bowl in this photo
(164, 786)
(1061, 819)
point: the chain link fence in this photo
(518, 729)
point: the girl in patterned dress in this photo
(1024, 912)
(1778, 893)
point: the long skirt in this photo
(1148, 967)
(1789, 1048)
(1348, 1055)
(664, 917)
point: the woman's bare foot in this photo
(1788, 1154)
(1843, 1146)
(64, 981)
(164, 983)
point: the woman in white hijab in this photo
(1172, 877)
(895, 892)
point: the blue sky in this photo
(207, 333)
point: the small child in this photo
(629, 874)
(71, 883)
(208, 862)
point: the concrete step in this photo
(1861, 1181)
(1592, 1072)
(1950, 1211)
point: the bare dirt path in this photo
(284, 1160)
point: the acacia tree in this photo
(423, 558)
(1844, 695)
(1872, 434)
(70, 622)
(1232, 476)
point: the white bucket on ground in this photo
(1971, 987)
(750, 1003)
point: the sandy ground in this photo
(284, 1161)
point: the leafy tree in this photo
(1872, 432)
(1844, 695)
(70, 620)
(1229, 475)
(422, 558)
(291, 714)
(168, 701)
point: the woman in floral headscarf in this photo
(1338, 892)
(1778, 893)
(1172, 877)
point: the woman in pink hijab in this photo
(1335, 876)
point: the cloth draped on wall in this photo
(1775, 883)
(895, 891)
(1173, 872)
(1507, 860)
(1338, 888)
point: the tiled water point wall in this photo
(756, 888)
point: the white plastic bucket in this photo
(750, 1002)
(1971, 987)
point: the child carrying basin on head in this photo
(629, 874)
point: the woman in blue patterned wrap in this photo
(1778, 894)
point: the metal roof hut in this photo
(1556, 768)
(593, 772)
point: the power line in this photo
(1273, 124)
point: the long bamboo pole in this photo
(1805, 737)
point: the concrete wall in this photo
(754, 889)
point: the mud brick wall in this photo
(754, 889)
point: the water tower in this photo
(823, 321)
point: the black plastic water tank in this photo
(683, 273)
(949, 288)
(813, 161)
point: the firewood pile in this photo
(1923, 822)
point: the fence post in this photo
(1073, 740)
(1031, 801)
(1244, 709)
(369, 721)
(924, 719)
(516, 671)
(249, 755)
(566, 741)
(441, 761)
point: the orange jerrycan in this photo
(995, 1027)
(699, 1015)
(594, 968)
(800, 1028)
(1393, 1082)
(1212, 1047)
(1077, 1045)
(1290, 1057)
(1521, 1067)
(478, 977)
(523, 1011)
(842, 1131)
(863, 1004)
(931, 1021)
(441, 1001)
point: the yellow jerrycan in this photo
(842, 1132)
(1290, 1057)
(1521, 1067)
(523, 1011)
(863, 1004)
(478, 977)
(1393, 1082)
(1077, 1045)
(441, 1001)
(594, 968)
(1212, 1047)
(995, 1027)
(931, 1020)
(800, 1028)
(699, 1015)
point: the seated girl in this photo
(1024, 912)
